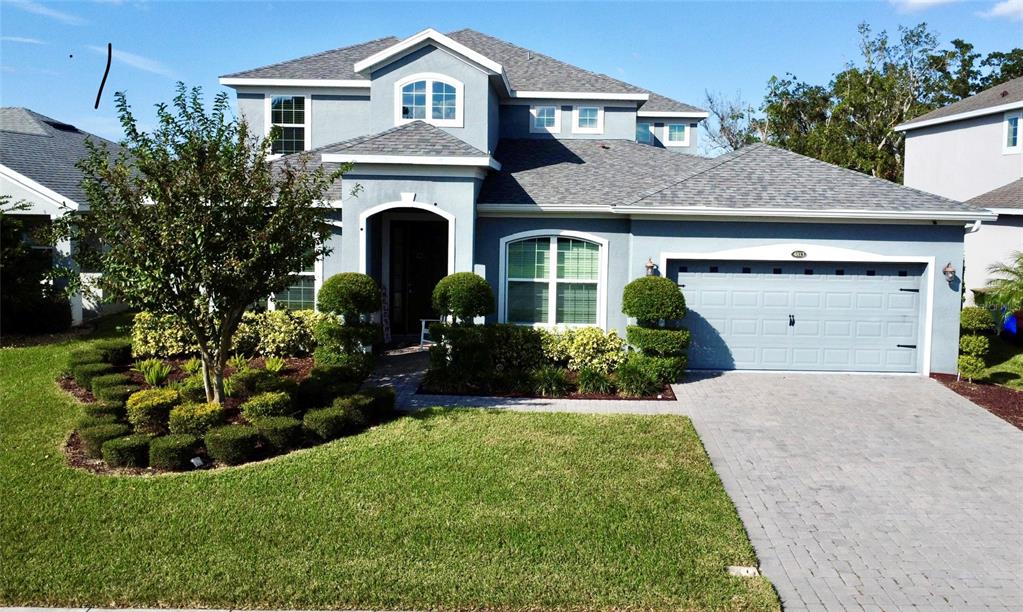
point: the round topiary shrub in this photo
(653, 298)
(129, 451)
(233, 444)
(269, 404)
(971, 366)
(94, 437)
(349, 294)
(334, 422)
(976, 320)
(149, 410)
(115, 409)
(173, 452)
(282, 433)
(464, 296)
(84, 373)
(974, 345)
(196, 419)
(658, 341)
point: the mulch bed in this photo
(666, 395)
(1003, 402)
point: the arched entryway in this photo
(407, 248)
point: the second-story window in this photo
(644, 133)
(1011, 144)
(588, 120)
(545, 119)
(288, 114)
(676, 135)
(429, 97)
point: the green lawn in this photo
(1005, 364)
(444, 510)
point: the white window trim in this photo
(649, 130)
(581, 130)
(307, 126)
(552, 311)
(534, 129)
(1006, 149)
(430, 77)
(668, 142)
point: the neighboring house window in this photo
(429, 97)
(288, 113)
(588, 120)
(644, 133)
(545, 119)
(676, 135)
(1012, 135)
(552, 280)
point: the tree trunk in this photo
(213, 377)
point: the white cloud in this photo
(137, 61)
(912, 6)
(46, 11)
(22, 39)
(1009, 9)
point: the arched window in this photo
(429, 97)
(553, 280)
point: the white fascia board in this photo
(31, 185)
(1006, 211)
(542, 208)
(412, 160)
(981, 215)
(674, 115)
(577, 95)
(991, 110)
(253, 82)
(431, 35)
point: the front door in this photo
(418, 260)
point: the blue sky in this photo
(52, 54)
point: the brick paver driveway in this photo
(867, 491)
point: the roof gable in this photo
(992, 100)
(335, 64)
(419, 40)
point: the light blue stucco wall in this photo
(333, 117)
(658, 127)
(619, 120)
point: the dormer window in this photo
(545, 119)
(1011, 142)
(644, 133)
(429, 97)
(288, 114)
(588, 120)
(676, 135)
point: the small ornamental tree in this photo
(975, 323)
(657, 304)
(194, 222)
(345, 345)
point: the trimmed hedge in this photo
(977, 320)
(173, 452)
(482, 357)
(270, 404)
(196, 419)
(665, 369)
(282, 433)
(251, 382)
(119, 393)
(653, 298)
(974, 345)
(192, 389)
(331, 423)
(380, 406)
(463, 296)
(321, 387)
(658, 340)
(233, 444)
(129, 451)
(349, 294)
(345, 347)
(116, 351)
(109, 380)
(89, 420)
(84, 355)
(149, 410)
(115, 409)
(84, 373)
(94, 437)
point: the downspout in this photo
(974, 227)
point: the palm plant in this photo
(1006, 285)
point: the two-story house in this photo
(560, 185)
(972, 151)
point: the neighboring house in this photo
(560, 186)
(37, 164)
(973, 151)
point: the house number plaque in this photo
(799, 254)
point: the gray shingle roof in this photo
(45, 150)
(1011, 91)
(761, 177)
(1006, 196)
(333, 64)
(579, 172)
(416, 138)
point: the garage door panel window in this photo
(565, 293)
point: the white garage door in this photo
(801, 315)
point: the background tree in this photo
(732, 123)
(195, 223)
(1005, 288)
(1002, 67)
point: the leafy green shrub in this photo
(971, 366)
(196, 419)
(556, 345)
(191, 366)
(463, 296)
(251, 382)
(350, 295)
(270, 404)
(149, 410)
(281, 333)
(321, 387)
(282, 433)
(116, 409)
(334, 422)
(550, 381)
(84, 373)
(976, 320)
(88, 420)
(233, 444)
(239, 362)
(173, 452)
(115, 351)
(274, 364)
(84, 355)
(119, 393)
(595, 381)
(94, 437)
(977, 346)
(665, 369)
(658, 340)
(160, 336)
(483, 357)
(635, 378)
(346, 347)
(380, 405)
(109, 380)
(129, 451)
(591, 347)
(192, 389)
(653, 298)
(154, 371)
